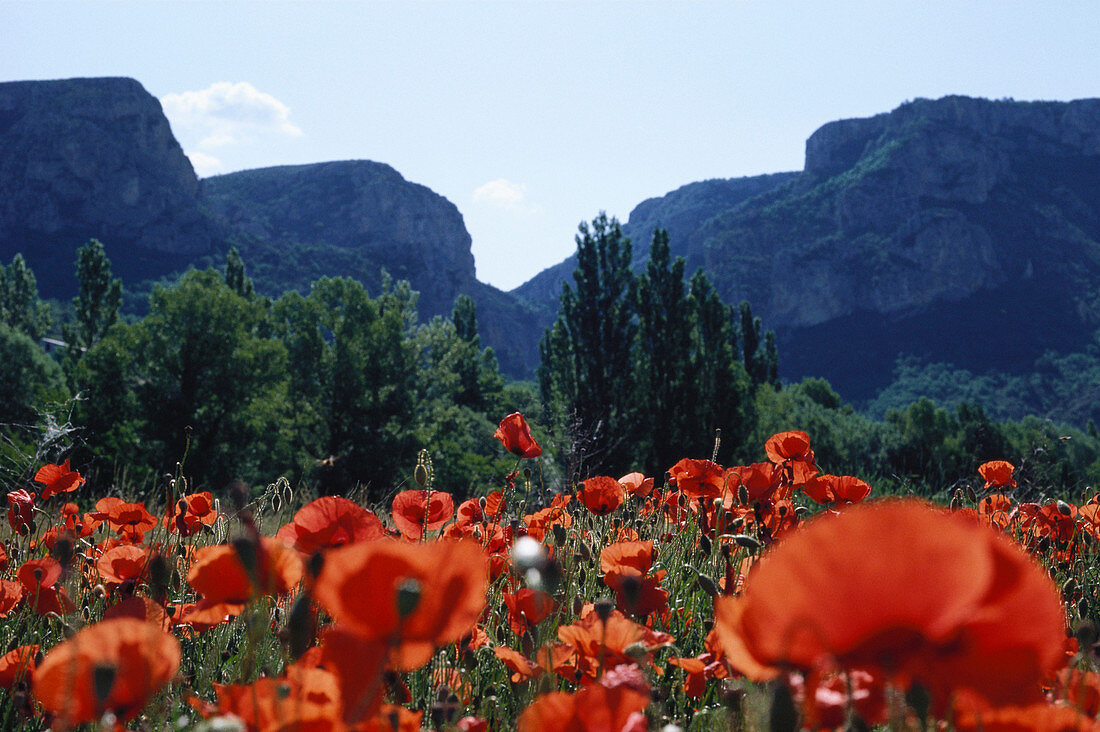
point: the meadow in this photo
(771, 595)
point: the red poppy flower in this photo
(522, 668)
(997, 474)
(902, 591)
(21, 513)
(594, 638)
(601, 495)
(11, 594)
(840, 490)
(304, 698)
(515, 434)
(114, 665)
(594, 707)
(417, 511)
(58, 479)
(358, 664)
(140, 608)
(636, 484)
(761, 480)
(38, 577)
(527, 608)
(700, 479)
(422, 595)
(191, 513)
(122, 564)
(792, 445)
(329, 522)
(226, 584)
(17, 664)
(129, 520)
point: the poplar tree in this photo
(99, 299)
(586, 369)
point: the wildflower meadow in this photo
(768, 596)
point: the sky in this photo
(534, 116)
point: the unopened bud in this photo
(408, 597)
(706, 584)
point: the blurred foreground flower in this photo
(112, 666)
(902, 591)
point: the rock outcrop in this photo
(958, 229)
(84, 158)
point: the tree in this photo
(99, 300)
(206, 382)
(585, 370)
(663, 378)
(354, 376)
(20, 307)
(477, 369)
(235, 277)
(29, 379)
(722, 398)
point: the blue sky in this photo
(531, 117)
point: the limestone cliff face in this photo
(358, 206)
(356, 218)
(83, 158)
(934, 202)
(958, 229)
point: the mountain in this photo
(84, 158)
(955, 230)
(682, 212)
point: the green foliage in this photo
(234, 274)
(680, 379)
(20, 307)
(199, 378)
(30, 381)
(583, 372)
(100, 297)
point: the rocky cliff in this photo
(961, 230)
(356, 218)
(83, 158)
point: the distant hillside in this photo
(957, 230)
(683, 212)
(84, 158)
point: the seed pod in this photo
(748, 542)
(706, 584)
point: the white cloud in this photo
(225, 114)
(204, 164)
(504, 194)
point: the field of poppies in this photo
(763, 596)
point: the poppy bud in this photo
(1064, 509)
(704, 544)
(300, 626)
(63, 550)
(559, 534)
(706, 584)
(238, 494)
(918, 699)
(315, 564)
(632, 589)
(408, 597)
(748, 542)
(578, 605)
(421, 475)
(581, 576)
(103, 680)
(159, 575)
(1085, 633)
(970, 494)
(603, 607)
(249, 555)
(782, 713)
(584, 551)
(637, 652)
